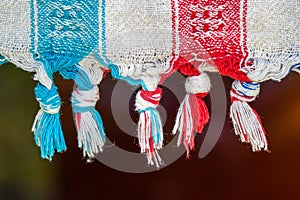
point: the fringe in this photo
(246, 122)
(191, 118)
(47, 129)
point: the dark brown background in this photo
(230, 171)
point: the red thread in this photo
(152, 96)
(78, 119)
(200, 112)
(233, 98)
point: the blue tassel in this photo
(47, 128)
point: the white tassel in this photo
(89, 135)
(89, 125)
(246, 121)
(248, 126)
(184, 121)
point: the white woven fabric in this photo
(139, 37)
(15, 42)
(273, 38)
(14, 26)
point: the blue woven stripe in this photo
(65, 28)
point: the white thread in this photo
(89, 133)
(198, 84)
(89, 136)
(15, 42)
(27, 63)
(243, 91)
(245, 122)
(142, 104)
(86, 98)
(92, 68)
(181, 121)
(37, 118)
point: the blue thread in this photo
(100, 60)
(116, 74)
(295, 66)
(154, 116)
(48, 134)
(250, 85)
(79, 76)
(2, 60)
(155, 126)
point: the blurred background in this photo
(230, 171)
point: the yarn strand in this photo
(246, 122)
(150, 131)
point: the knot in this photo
(147, 99)
(198, 84)
(49, 100)
(84, 100)
(244, 91)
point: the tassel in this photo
(47, 129)
(246, 121)
(150, 130)
(193, 113)
(91, 136)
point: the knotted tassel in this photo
(150, 130)
(91, 136)
(246, 121)
(193, 113)
(47, 129)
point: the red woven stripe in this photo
(213, 30)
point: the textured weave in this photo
(137, 37)
(273, 38)
(15, 42)
(211, 27)
(142, 41)
(64, 27)
(15, 27)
